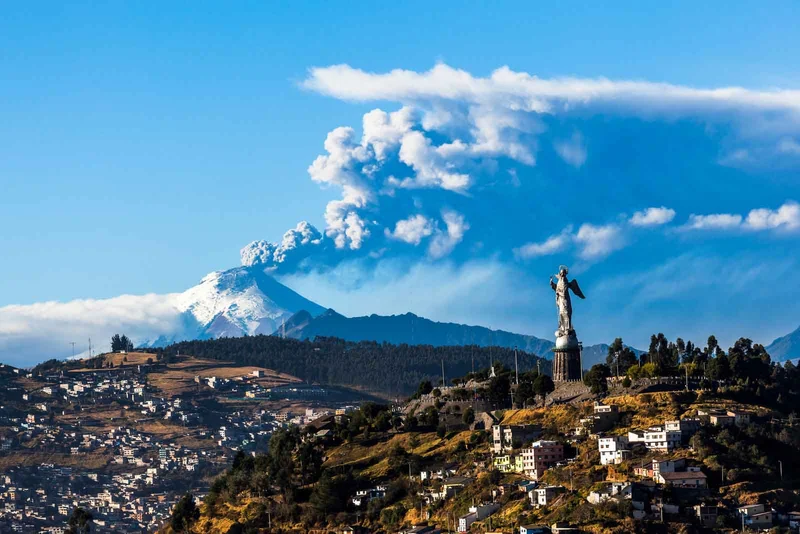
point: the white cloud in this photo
(454, 130)
(599, 241)
(432, 164)
(786, 217)
(715, 221)
(522, 91)
(553, 244)
(383, 131)
(573, 150)
(412, 230)
(444, 241)
(652, 216)
(787, 145)
(39, 331)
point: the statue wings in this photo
(573, 285)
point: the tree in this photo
(626, 356)
(719, 368)
(184, 514)
(80, 522)
(711, 346)
(469, 416)
(596, 378)
(499, 390)
(424, 388)
(543, 386)
(429, 417)
(524, 393)
(120, 343)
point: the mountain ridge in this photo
(412, 329)
(785, 347)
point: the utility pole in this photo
(780, 463)
(580, 357)
(443, 382)
(73, 349)
(686, 368)
(516, 365)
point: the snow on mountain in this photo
(236, 302)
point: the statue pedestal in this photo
(567, 359)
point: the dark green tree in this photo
(80, 521)
(184, 514)
(120, 343)
(626, 356)
(543, 386)
(424, 388)
(499, 391)
(469, 416)
(718, 368)
(596, 377)
(524, 394)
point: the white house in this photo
(660, 439)
(613, 449)
(545, 495)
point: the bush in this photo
(626, 382)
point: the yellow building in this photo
(509, 463)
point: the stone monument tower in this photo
(567, 352)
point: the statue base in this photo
(567, 358)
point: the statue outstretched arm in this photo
(552, 284)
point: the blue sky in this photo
(144, 144)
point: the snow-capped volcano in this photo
(236, 302)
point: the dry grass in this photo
(117, 358)
(178, 378)
(560, 416)
(83, 460)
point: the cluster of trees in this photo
(292, 469)
(184, 514)
(121, 343)
(393, 369)
(290, 464)
(533, 384)
(746, 368)
(80, 521)
(499, 389)
(752, 452)
(666, 358)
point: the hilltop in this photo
(718, 442)
(379, 368)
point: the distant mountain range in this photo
(414, 330)
(786, 347)
(248, 301)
